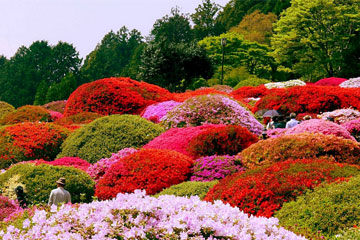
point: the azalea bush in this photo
(71, 162)
(262, 191)
(211, 109)
(304, 145)
(107, 135)
(77, 120)
(230, 139)
(310, 214)
(188, 189)
(39, 180)
(353, 127)
(26, 141)
(7, 207)
(332, 81)
(341, 115)
(114, 96)
(149, 169)
(26, 113)
(248, 92)
(287, 84)
(5, 108)
(156, 218)
(215, 167)
(57, 106)
(181, 97)
(223, 88)
(157, 111)
(55, 115)
(351, 83)
(98, 169)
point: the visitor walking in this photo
(293, 122)
(59, 195)
(21, 197)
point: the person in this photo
(59, 195)
(307, 117)
(271, 124)
(21, 196)
(293, 122)
(280, 123)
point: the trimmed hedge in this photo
(26, 113)
(107, 135)
(5, 108)
(38, 181)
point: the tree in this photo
(111, 56)
(256, 27)
(174, 65)
(204, 19)
(316, 45)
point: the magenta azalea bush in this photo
(211, 109)
(98, 169)
(55, 115)
(137, 216)
(341, 115)
(7, 207)
(214, 167)
(157, 111)
(353, 126)
(71, 161)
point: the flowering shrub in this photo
(7, 207)
(107, 135)
(26, 113)
(250, 92)
(222, 140)
(214, 167)
(137, 216)
(149, 169)
(304, 145)
(39, 180)
(300, 116)
(287, 84)
(332, 81)
(71, 162)
(178, 139)
(77, 120)
(57, 106)
(98, 169)
(211, 109)
(262, 191)
(223, 88)
(157, 111)
(341, 115)
(26, 141)
(181, 97)
(351, 83)
(114, 96)
(277, 132)
(5, 108)
(55, 115)
(353, 127)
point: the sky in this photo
(80, 22)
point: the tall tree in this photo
(204, 19)
(316, 45)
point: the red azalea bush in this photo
(250, 92)
(115, 96)
(223, 140)
(57, 106)
(309, 99)
(300, 116)
(75, 121)
(149, 169)
(297, 146)
(182, 97)
(26, 113)
(26, 141)
(262, 191)
(178, 139)
(7, 207)
(332, 81)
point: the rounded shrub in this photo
(327, 210)
(181, 97)
(71, 162)
(77, 120)
(353, 127)
(26, 113)
(57, 106)
(26, 141)
(304, 145)
(252, 82)
(211, 109)
(223, 88)
(149, 169)
(157, 111)
(263, 190)
(107, 135)
(332, 81)
(250, 92)
(39, 180)
(55, 115)
(115, 96)
(341, 115)
(7, 207)
(5, 108)
(188, 189)
(222, 140)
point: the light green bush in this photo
(5, 108)
(107, 135)
(252, 81)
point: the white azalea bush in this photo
(287, 84)
(341, 115)
(351, 83)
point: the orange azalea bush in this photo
(75, 121)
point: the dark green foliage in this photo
(108, 135)
(38, 181)
(187, 189)
(326, 211)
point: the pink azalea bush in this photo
(157, 111)
(98, 169)
(214, 167)
(277, 132)
(211, 109)
(353, 127)
(55, 115)
(7, 207)
(137, 216)
(332, 81)
(341, 115)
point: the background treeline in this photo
(265, 40)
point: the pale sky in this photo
(80, 22)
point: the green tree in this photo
(316, 37)
(133, 67)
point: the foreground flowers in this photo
(137, 216)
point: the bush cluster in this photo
(57, 106)
(250, 92)
(26, 113)
(5, 108)
(107, 135)
(263, 191)
(77, 120)
(331, 81)
(149, 169)
(341, 115)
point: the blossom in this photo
(157, 111)
(351, 83)
(287, 84)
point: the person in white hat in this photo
(59, 195)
